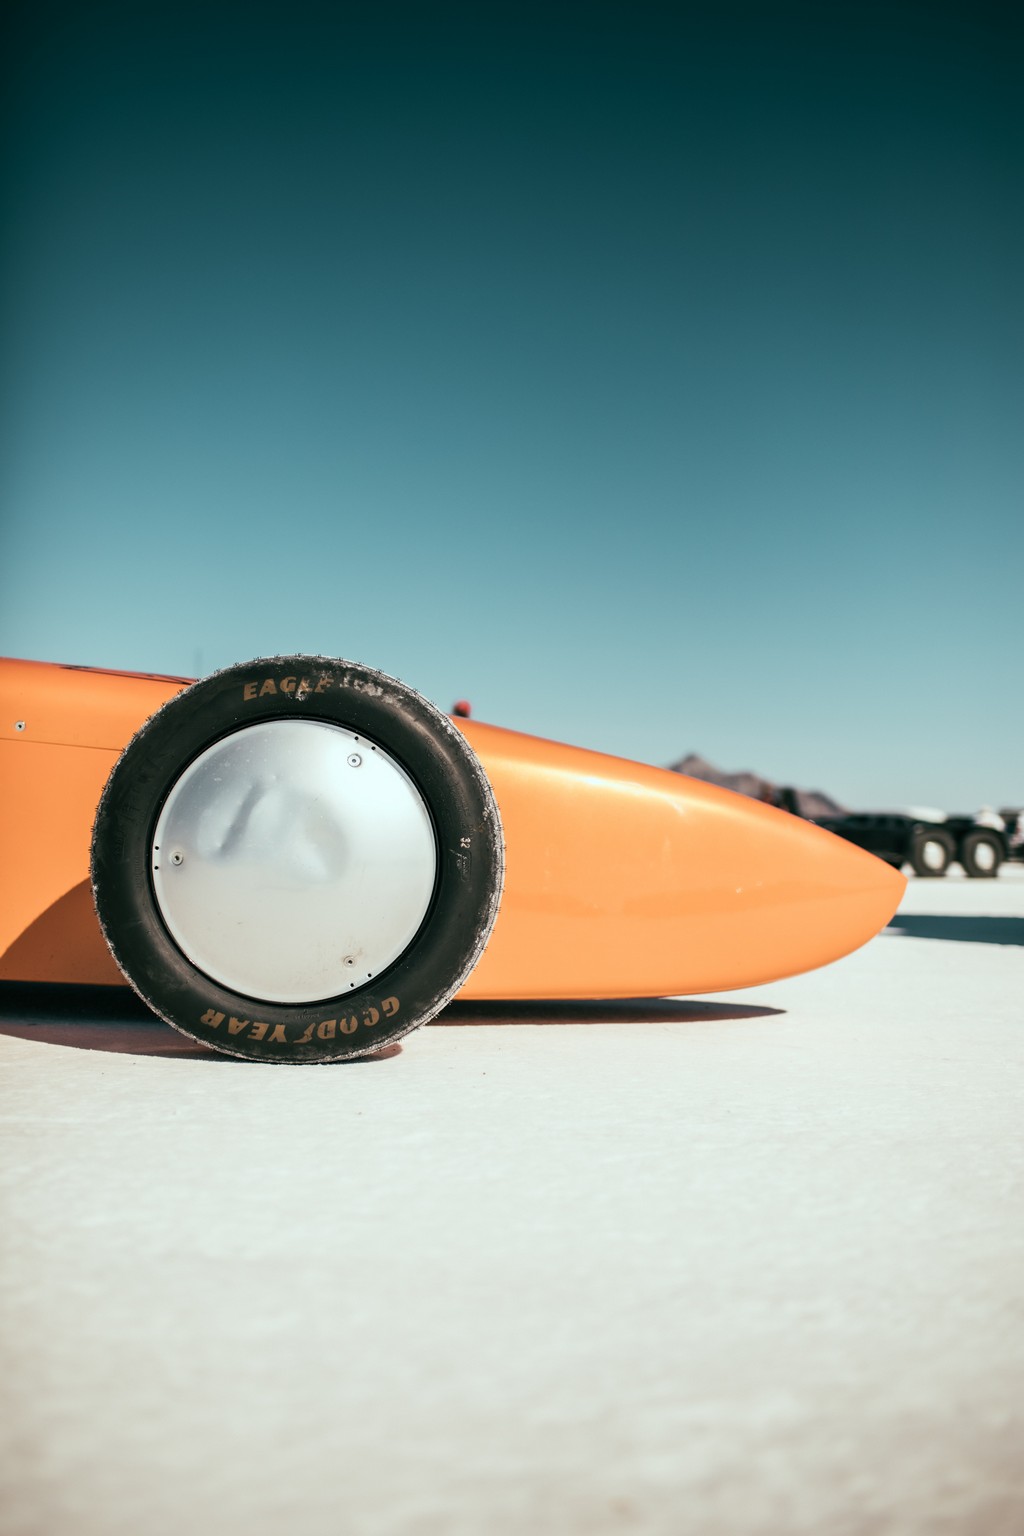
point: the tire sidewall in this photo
(470, 859)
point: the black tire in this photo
(931, 852)
(981, 854)
(468, 845)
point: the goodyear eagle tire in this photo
(297, 860)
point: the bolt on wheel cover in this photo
(293, 861)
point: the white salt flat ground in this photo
(745, 1265)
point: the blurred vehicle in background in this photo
(926, 839)
(922, 836)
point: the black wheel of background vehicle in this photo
(931, 852)
(297, 859)
(981, 854)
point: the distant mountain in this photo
(812, 802)
(744, 783)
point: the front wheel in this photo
(981, 854)
(297, 860)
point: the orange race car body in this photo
(620, 880)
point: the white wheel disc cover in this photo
(293, 861)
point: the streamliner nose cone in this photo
(629, 881)
(802, 896)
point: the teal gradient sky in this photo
(650, 375)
